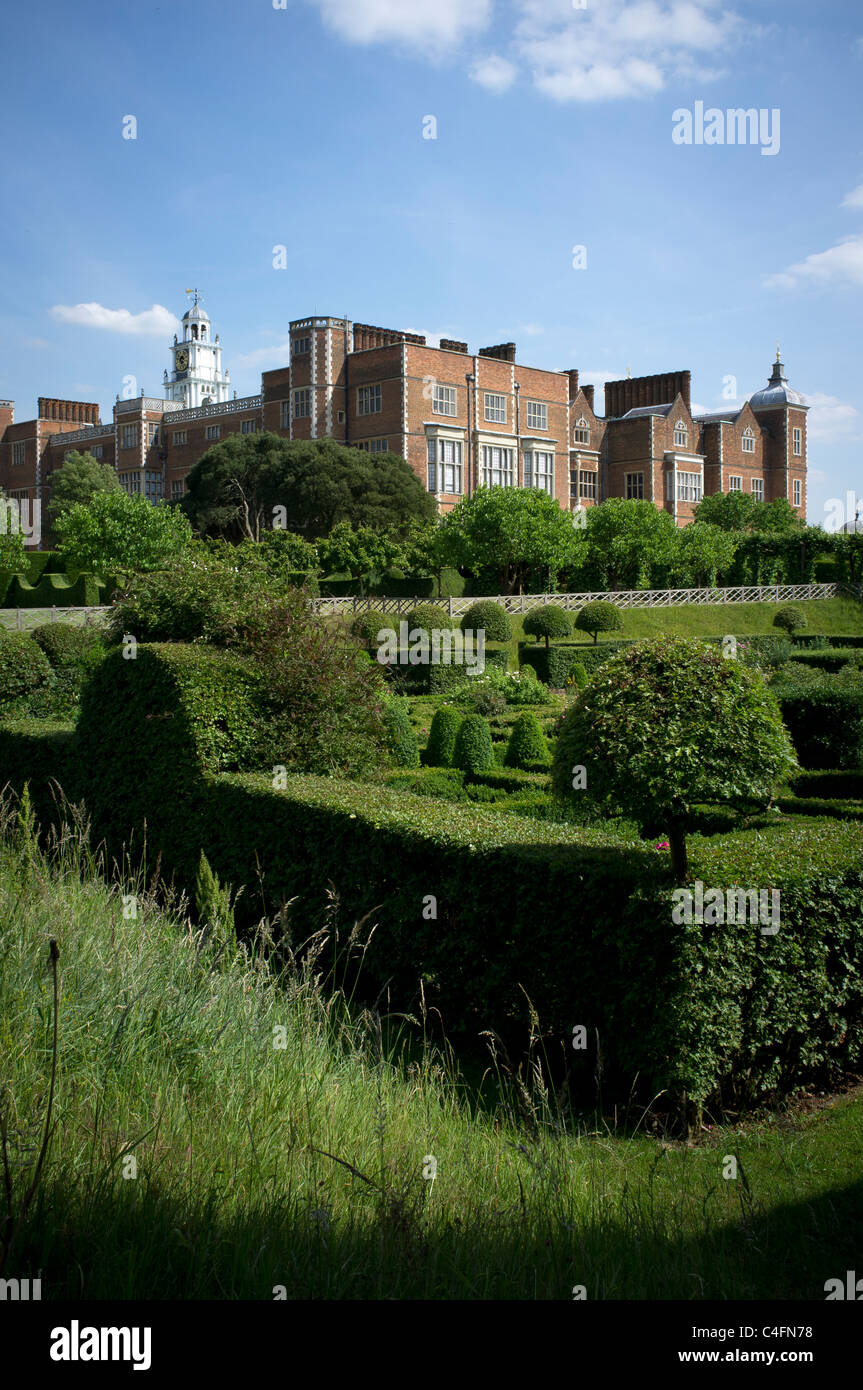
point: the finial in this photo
(778, 354)
(629, 373)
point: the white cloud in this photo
(617, 49)
(157, 321)
(434, 26)
(831, 421)
(842, 263)
(854, 199)
(494, 73)
(266, 358)
(532, 330)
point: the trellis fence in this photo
(621, 598)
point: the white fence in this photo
(621, 598)
(14, 617)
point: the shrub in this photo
(486, 699)
(428, 616)
(473, 748)
(400, 737)
(667, 725)
(578, 676)
(527, 743)
(24, 667)
(66, 645)
(528, 672)
(548, 621)
(831, 660)
(791, 618)
(442, 735)
(599, 616)
(488, 617)
(366, 626)
(824, 716)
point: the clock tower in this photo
(196, 376)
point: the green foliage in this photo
(488, 617)
(598, 616)
(513, 687)
(668, 724)
(440, 749)
(527, 743)
(24, 667)
(791, 618)
(247, 483)
(118, 532)
(578, 675)
(13, 554)
(548, 621)
(400, 737)
(67, 644)
(359, 551)
(831, 660)
(824, 717)
(366, 626)
(213, 903)
(77, 481)
(428, 616)
(507, 531)
(473, 751)
(629, 545)
(57, 590)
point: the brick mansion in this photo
(462, 420)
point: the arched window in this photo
(581, 433)
(749, 440)
(681, 435)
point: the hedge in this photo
(60, 590)
(832, 785)
(831, 660)
(24, 667)
(577, 919)
(554, 667)
(825, 721)
(442, 679)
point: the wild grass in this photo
(224, 1127)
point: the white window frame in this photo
(131, 482)
(581, 432)
(757, 489)
(587, 479)
(681, 435)
(495, 408)
(369, 399)
(19, 452)
(497, 459)
(302, 403)
(213, 432)
(301, 346)
(633, 484)
(541, 479)
(445, 464)
(797, 441)
(735, 482)
(128, 436)
(688, 486)
(96, 451)
(797, 492)
(248, 427)
(178, 488)
(537, 415)
(748, 440)
(152, 434)
(284, 415)
(445, 400)
(180, 437)
(153, 486)
(373, 446)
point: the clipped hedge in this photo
(527, 743)
(832, 785)
(554, 667)
(700, 1013)
(825, 721)
(56, 590)
(440, 748)
(488, 617)
(400, 736)
(473, 751)
(24, 667)
(831, 660)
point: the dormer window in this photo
(749, 440)
(581, 433)
(681, 435)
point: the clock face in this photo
(181, 360)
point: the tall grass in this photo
(227, 1127)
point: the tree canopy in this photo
(78, 479)
(507, 531)
(247, 483)
(117, 533)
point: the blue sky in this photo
(303, 126)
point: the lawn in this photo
(282, 1140)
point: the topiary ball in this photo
(428, 616)
(790, 618)
(366, 626)
(488, 617)
(23, 665)
(548, 621)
